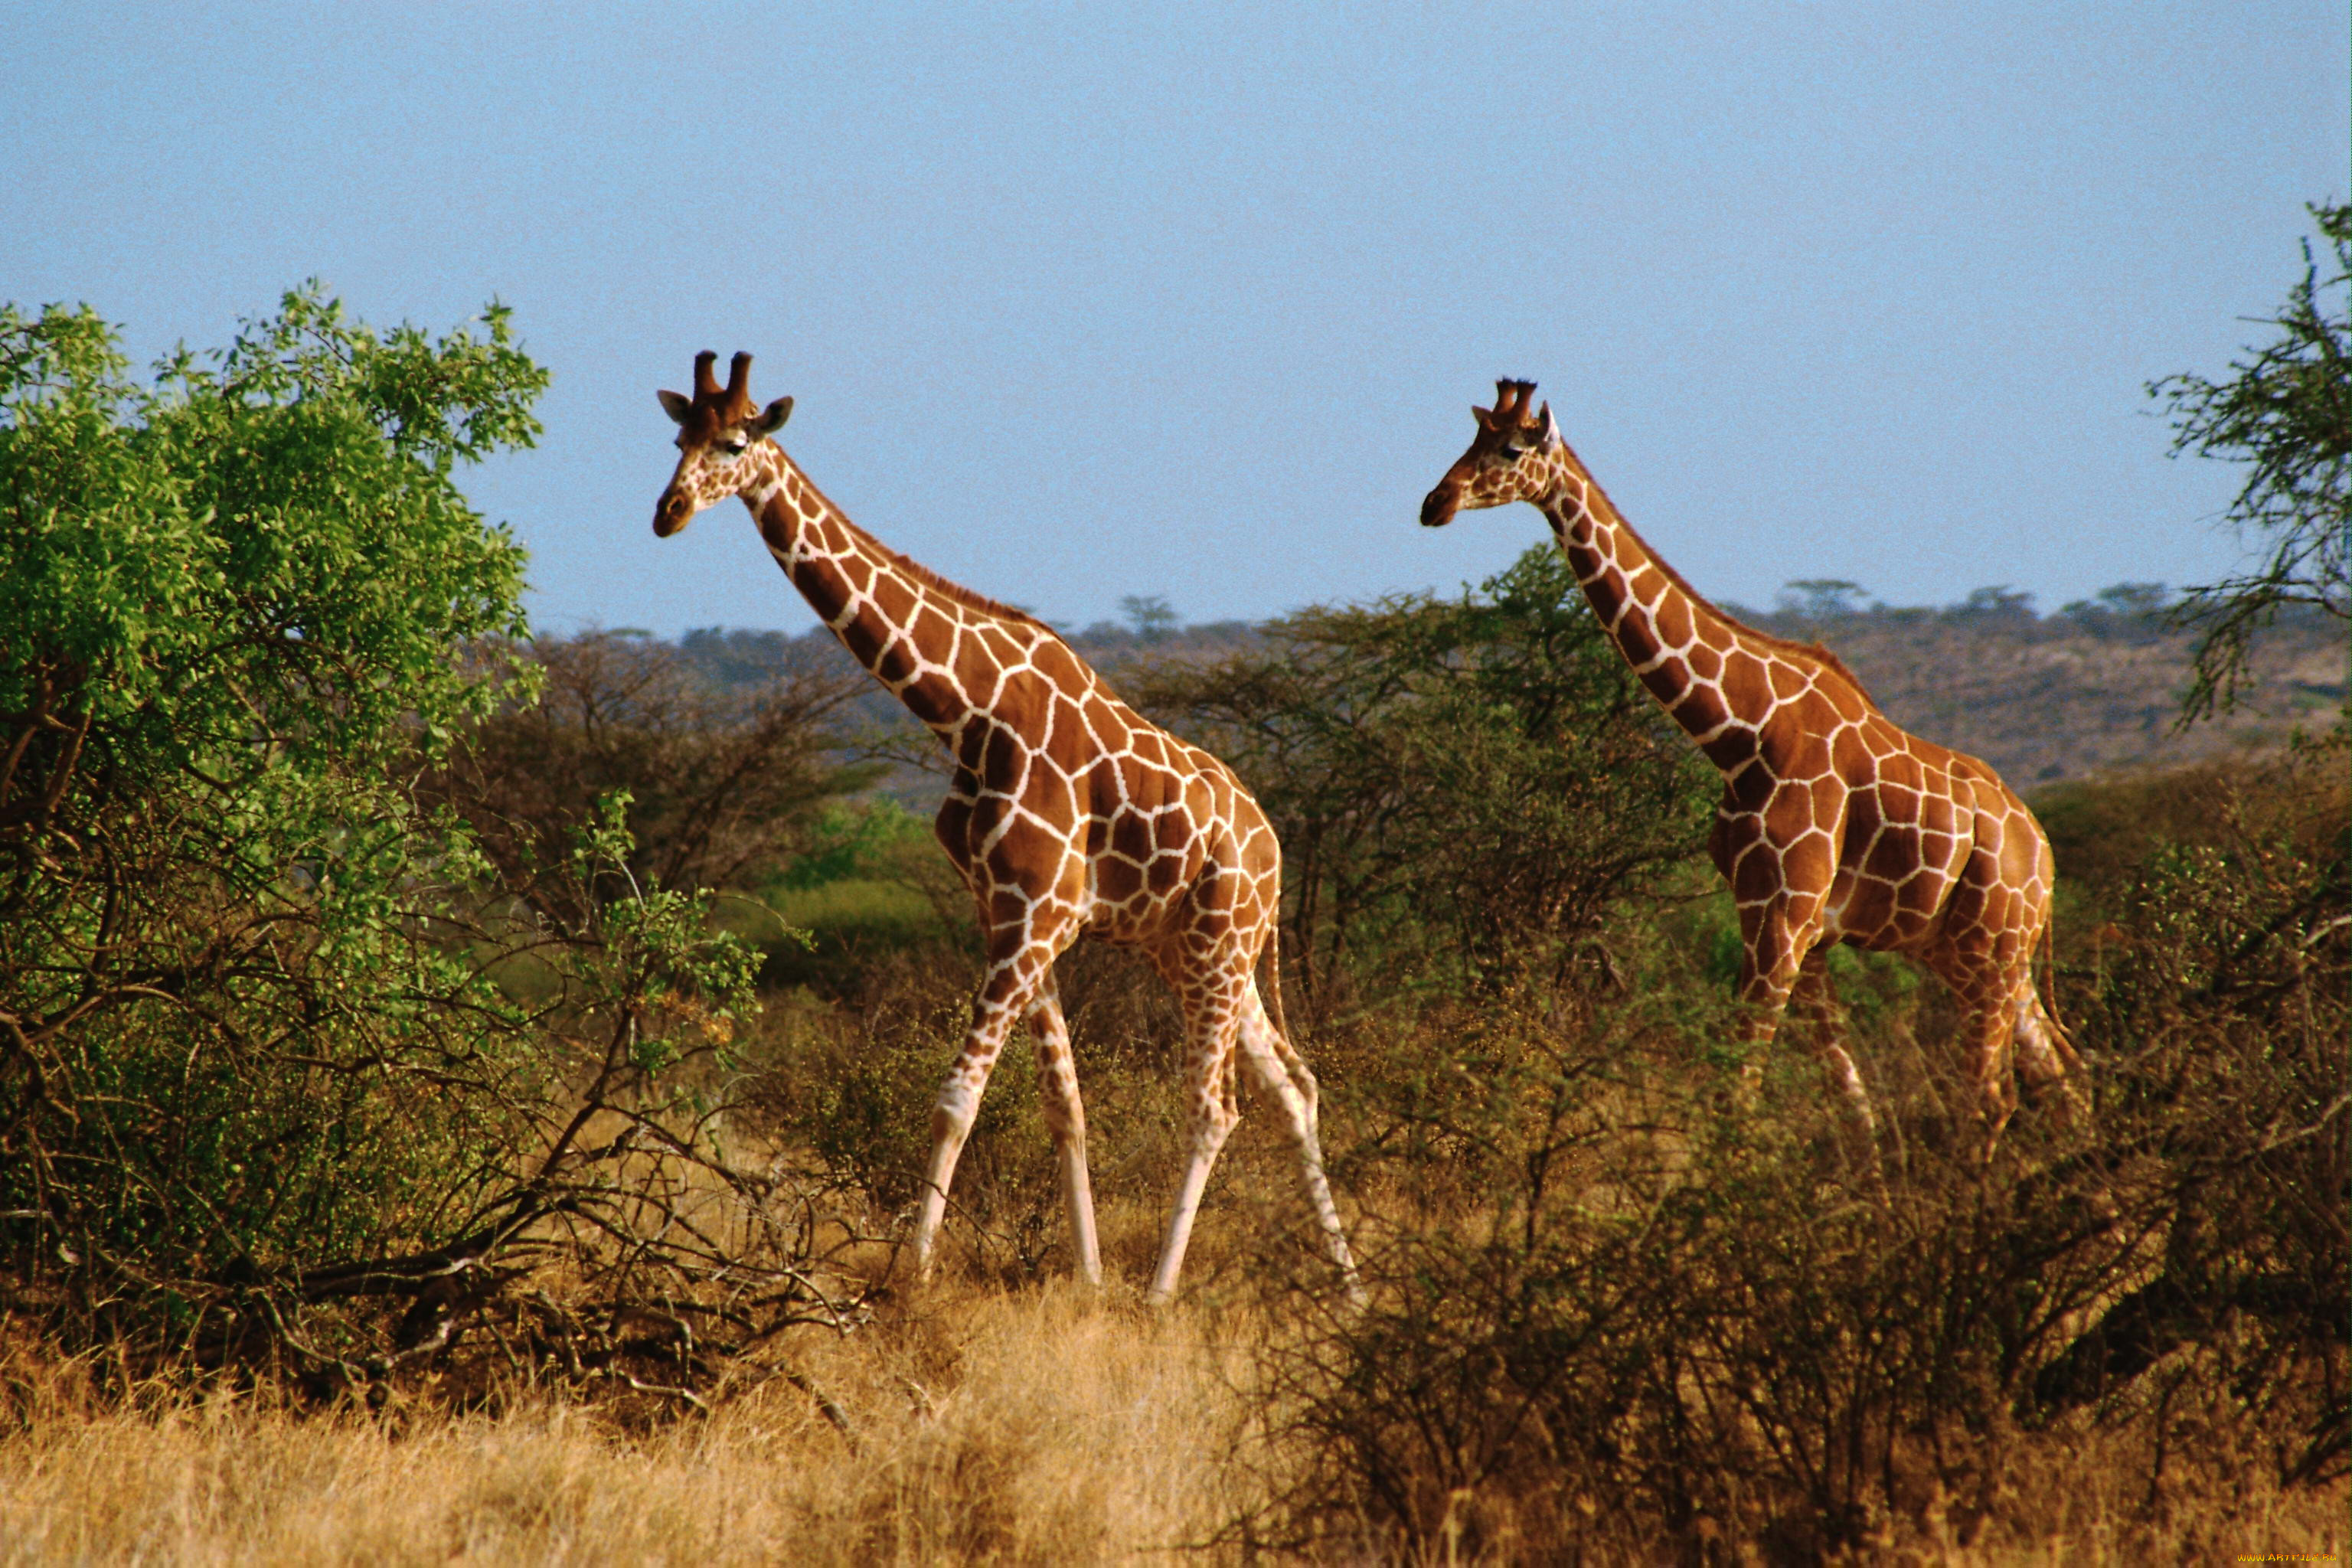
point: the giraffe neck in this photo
(1684, 651)
(901, 622)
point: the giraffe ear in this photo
(675, 405)
(771, 418)
(1485, 416)
(1547, 431)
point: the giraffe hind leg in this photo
(1210, 1023)
(2045, 1058)
(1989, 1020)
(1988, 1028)
(2044, 1054)
(2003, 1033)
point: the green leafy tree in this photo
(1149, 615)
(2285, 412)
(277, 1043)
(231, 609)
(1463, 785)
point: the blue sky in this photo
(1084, 301)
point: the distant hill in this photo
(2073, 695)
(2091, 690)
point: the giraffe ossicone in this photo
(1068, 815)
(1835, 825)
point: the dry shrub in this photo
(721, 782)
(559, 1196)
(1614, 1321)
(1690, 1360)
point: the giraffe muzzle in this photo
(671, 513)
(1438, 508)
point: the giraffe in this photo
(1068, 814)
(1835, 825)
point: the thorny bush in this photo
(1662, 1329)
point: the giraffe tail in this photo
(2046, 992)
(1270, 964)
(1301, 1076)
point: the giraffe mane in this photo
(1809, 650)
(971, 599)
(1813, 650)
(968, 598)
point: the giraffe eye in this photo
(732, 448)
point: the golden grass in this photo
(1044, 1426)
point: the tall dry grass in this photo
(1047, 1425)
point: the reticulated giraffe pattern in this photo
(1068, 815)
(1835, 825)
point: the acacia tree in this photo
(1466, 783)
(2287, 413)
(724, 780)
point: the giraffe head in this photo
(715, 428)
(1514, 457)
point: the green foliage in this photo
(870, 887)
(661, 959)
(2285, 413)
(263, 555)
(258, 1068)
(865, 840)
(230, 612)
(1462, 787)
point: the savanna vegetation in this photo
(461, 1094)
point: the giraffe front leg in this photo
(1771, 954)
(1065, 1118)
(1289, 1084)
(1814, 1000)
(1210, 1025)
(1020, 965)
